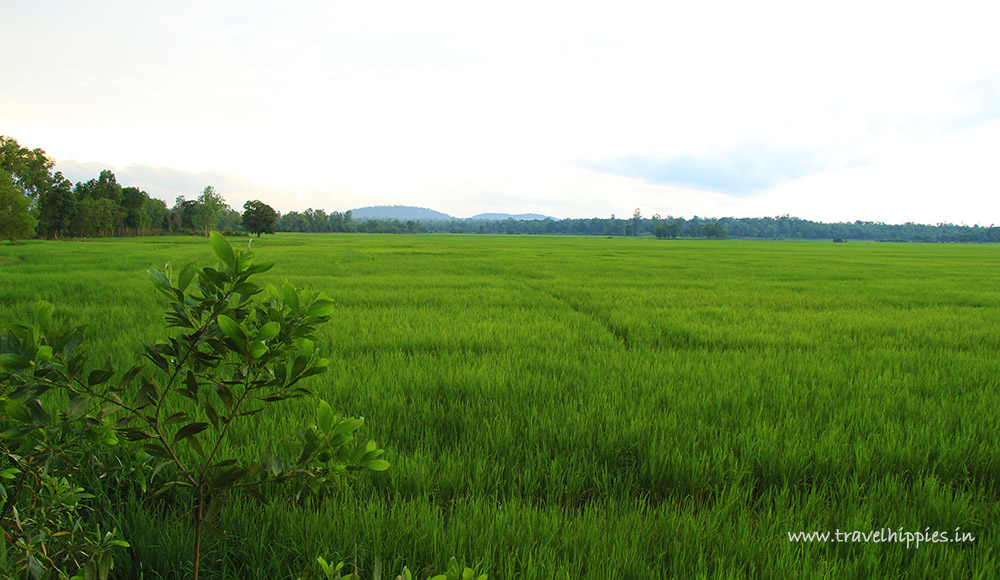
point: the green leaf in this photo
(156, 450)
(9, 473)
(147, 394)
(191, 386)
(213, 416)
(222, 249)
(130, 374)
(228, 477)
(175, 418)
(44, 353)
(161, 282)
(306, 346)
(135, 434)
(77, 407)
(256, 495)
(349, 425)
(210, 276)
(158, 467)
(99, 377)
(14, 362)
(268, 331)
(321, 308)
(291, 297)
(308, 446)
(341, 439)
(273, 464)
(17, 410)
(257, 350)
(330, 572)
(233, 330)
(378, 465)
(156, 358)
(185, 277)
(106, 564)
(43, 313)
(324, 416)
(216, 503)
(36, 411)
(246, 289)
(260, 268)
(216, 532)
(195, 445)
(189, 430)
(225, 394)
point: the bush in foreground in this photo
(230, 355)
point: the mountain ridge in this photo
(410, 212)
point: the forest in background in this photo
(36, 201)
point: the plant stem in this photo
(197, 532)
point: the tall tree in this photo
(210, 206)
(132, 200)
(153, 216)
(56, 208)
(30, 170)
(294, 221)
(317, 220)
(16, 221)
(259, 218)
(99, 207)
(183, 214)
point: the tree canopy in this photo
(259, 218)
(29, 169)
(210, 208)
(16, 221)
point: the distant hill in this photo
(398, 212)
(503, 216)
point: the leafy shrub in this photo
(230, 355)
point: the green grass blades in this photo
(568, 407)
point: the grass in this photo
(567, 407)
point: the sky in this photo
(833, 111)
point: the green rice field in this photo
(595, 408)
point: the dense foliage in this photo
(230, 356)
(771, 228)
(16, 221)
(259, 218)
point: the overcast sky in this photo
(829, 111)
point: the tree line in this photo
(35, 201)
(769, 228)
